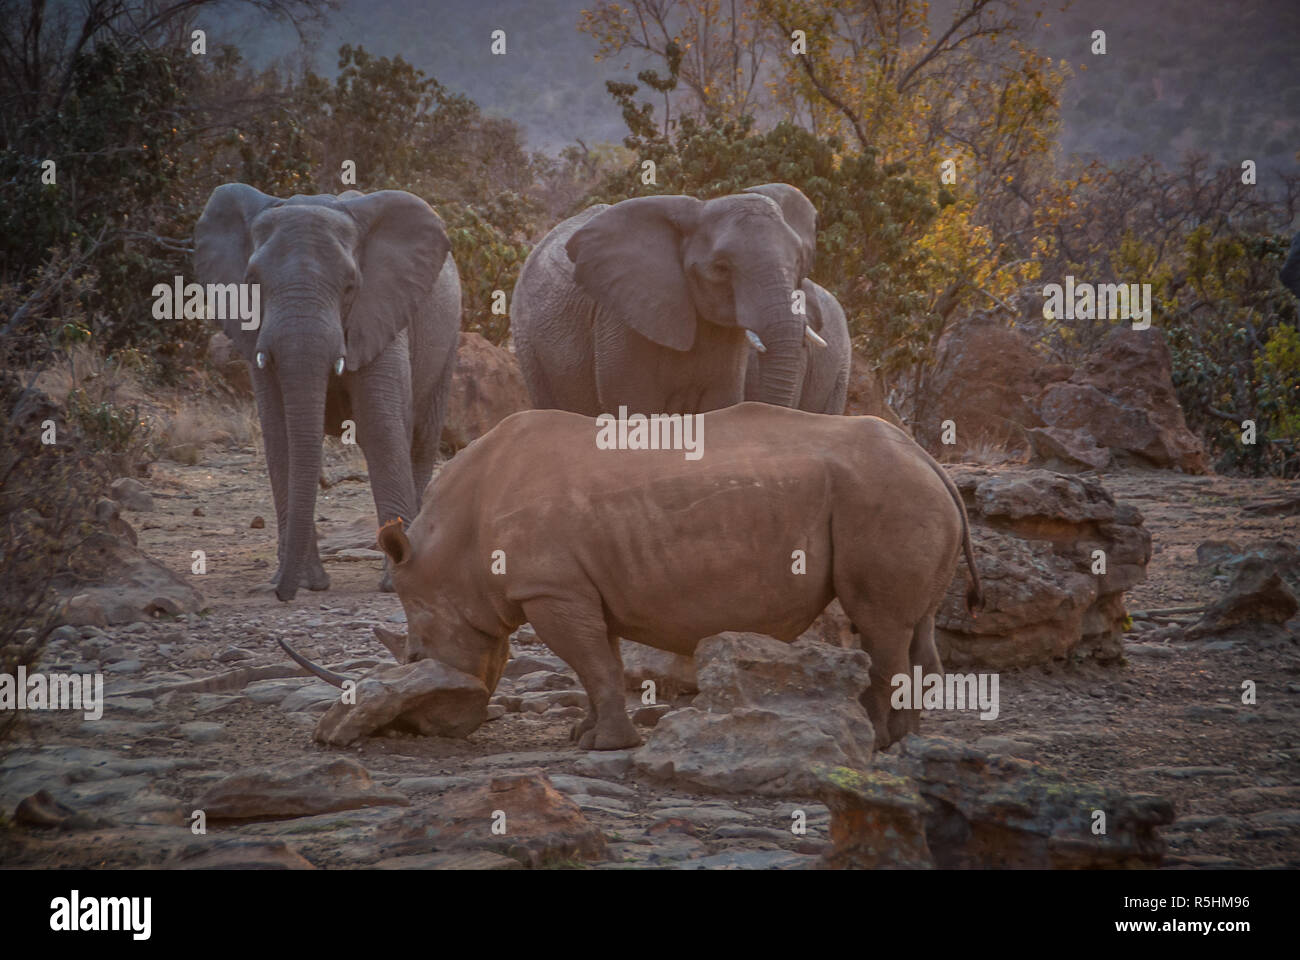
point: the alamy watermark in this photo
(1102, 301)
(946, 691)
(659, 431)
(55, 691)
(213, 301)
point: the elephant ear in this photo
(223, 242)
(402, 249)
(628, 259)
(800, 215)
(812, 295)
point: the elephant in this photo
(1290, 272)
(360, 319)
(652, 303)
(534, 523)
(825, 386)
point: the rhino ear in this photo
(393, 541)
(223, 242)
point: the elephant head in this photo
(665, 264)
(340, 277)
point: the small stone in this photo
(257, 523)
(198, 512)
(199, 731)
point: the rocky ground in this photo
(1169, 721)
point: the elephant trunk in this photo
(781, 367)
(304, 412)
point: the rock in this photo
(604, 763)
(1126, 400)
(672, 673)
(257, 523)
(968, 809)
(1212, 553)
(486, 387)
(756, 692)
(239, 853)
(1257, 594)
(131, 494)
(229, 364)
(298, 788)
(360, 534)
(985, 378)
(108, 513)
(425, 697)
(532, 663)
(833, 626)
(199, 731)
(866, 395)
(358, 554)
(198, 512)
(45, 812)
(1034, 534)
(129, 586)
(472, 860)
(1119, 407)
(751, 860)
(233, 653)
(541, 825)
(1058, 447)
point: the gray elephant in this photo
(1290, 272)
(652, 303)
(360, 317)
(826, 369)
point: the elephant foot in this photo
(618, 735)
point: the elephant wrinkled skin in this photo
(652, 303)
(826, 372)
(533, 523)
(360, 317)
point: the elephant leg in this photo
(427, 432)
(381, 407)
(576, 632)
(270, 413)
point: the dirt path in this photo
(1170, 721)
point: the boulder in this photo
(519, 815)
(486, 387)
(946, 804)
(131, 494)
(1034, 534)
(116, 583)
(229, 364)
(672, 673)
(757, 692)
(866, 394)
(109, 515)
(238, 853)
(985, 377)
(1257, 594)
(1134, 409)
(1118, 408)
(426, 697)
(298, 788)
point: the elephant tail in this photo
(975, 593)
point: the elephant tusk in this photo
(261, 360)
(329, 676)
(338, 366)
(814, 336)
(758, 344)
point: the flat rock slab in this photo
(237, 853)
(295, 789)
(426, 697)
(467, 860)
(518, 815)
(944, 803)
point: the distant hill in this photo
(1219, 77)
